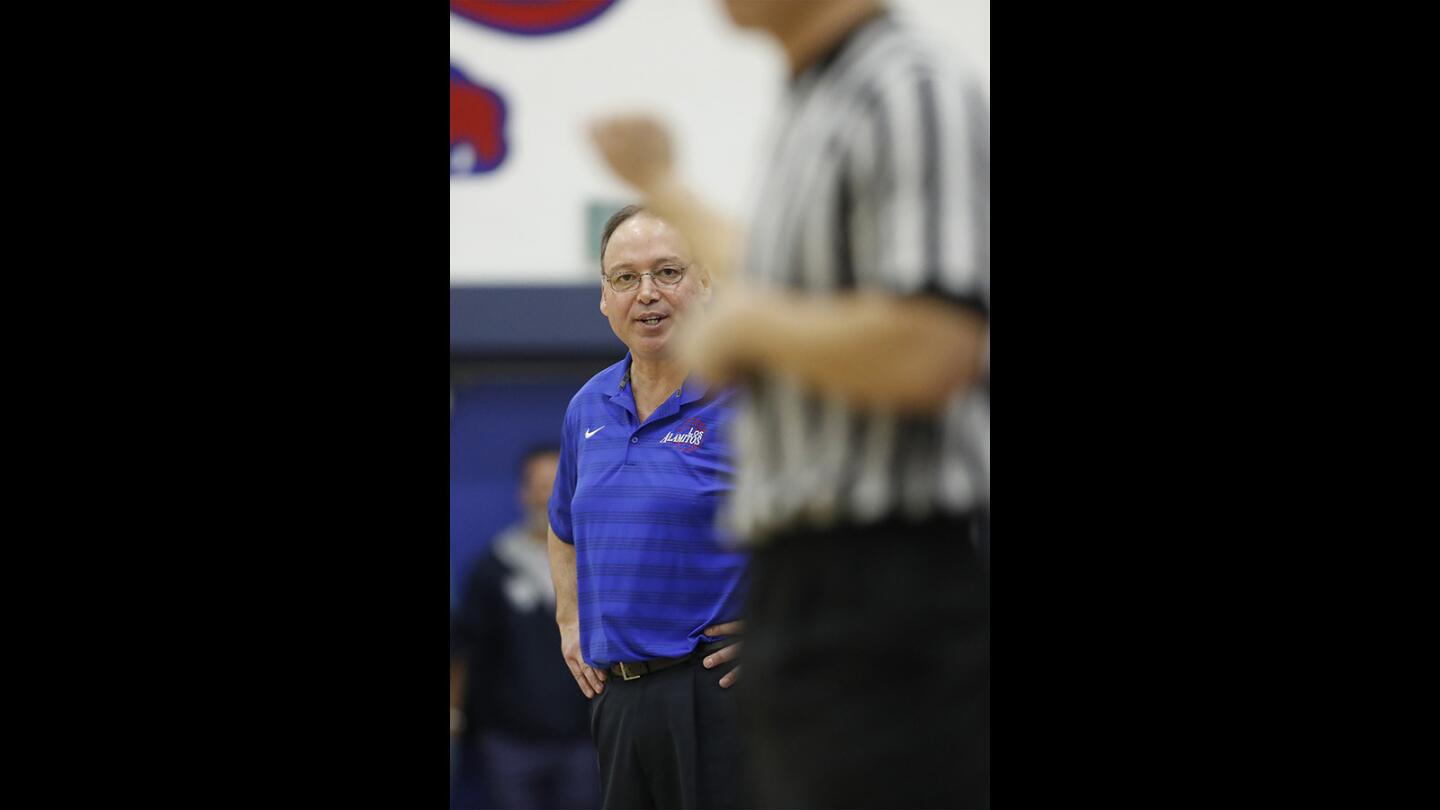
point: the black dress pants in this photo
(867, 669)
(669, 739)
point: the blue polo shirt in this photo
(639, 504)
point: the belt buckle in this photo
(625, 673)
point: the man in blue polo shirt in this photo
(646, 592)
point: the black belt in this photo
(630, 671)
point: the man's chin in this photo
(656, 345)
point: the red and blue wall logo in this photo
(477, 126)
(531, 17)
(477, 112)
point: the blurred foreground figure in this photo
(528, 728)
(864, 450)
(646, 590)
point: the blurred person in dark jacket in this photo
(512, 698)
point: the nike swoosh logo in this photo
(590, 433)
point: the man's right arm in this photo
(567, 616)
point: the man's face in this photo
(646, 318)
(539, 479)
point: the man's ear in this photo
(604, 310)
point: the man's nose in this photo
(649, 290)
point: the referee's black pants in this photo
(866, 669)
(669, 739)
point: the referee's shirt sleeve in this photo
(564, 490)
(917, 188)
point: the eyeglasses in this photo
(665, 277)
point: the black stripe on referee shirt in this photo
(855, 424)
(844, 258)
(813, 411)
(881, 184)
(931, 167)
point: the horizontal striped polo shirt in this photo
(639, 503)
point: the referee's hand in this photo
(637, 147)
(726, 655)
(591, 681)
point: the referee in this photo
(863, 455)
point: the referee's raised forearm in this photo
(875, 351)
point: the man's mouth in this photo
(651, 320)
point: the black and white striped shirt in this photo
(880, 180)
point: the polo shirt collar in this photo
(694, 388)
